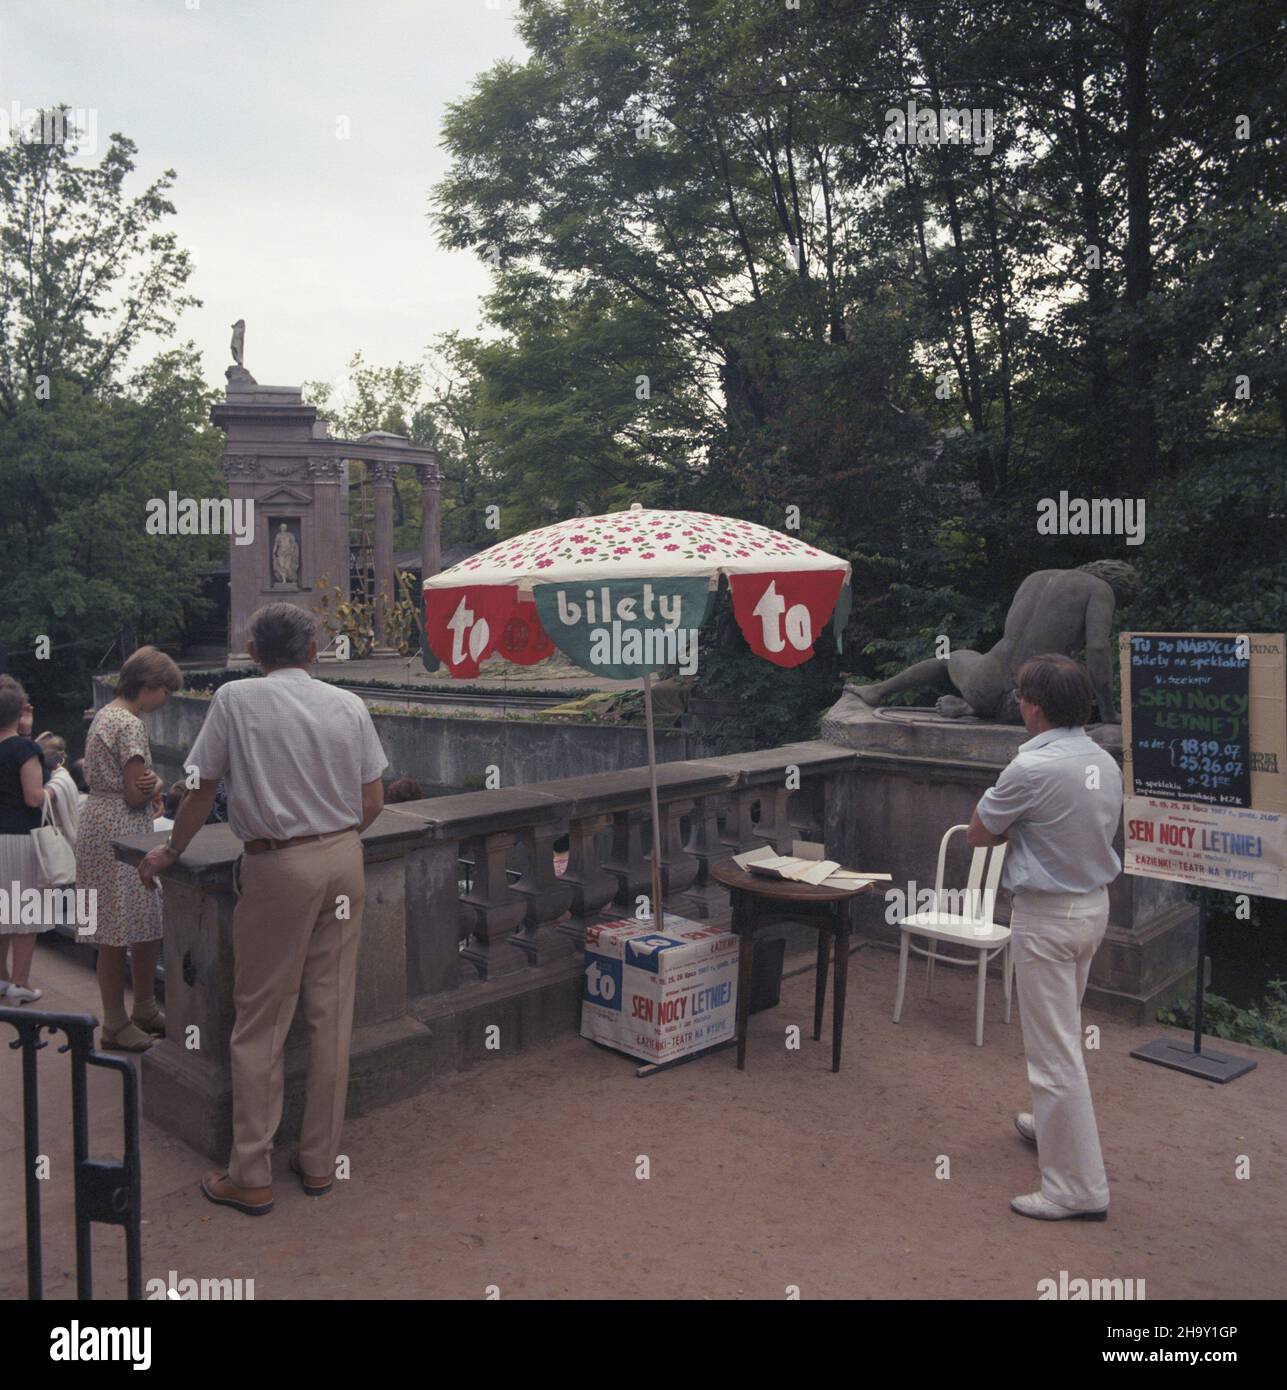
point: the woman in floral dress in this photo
(122, 792)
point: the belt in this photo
(264, 845)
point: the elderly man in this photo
(1056, 806)
(301, 763)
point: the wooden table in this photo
(759, 901)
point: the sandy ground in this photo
(523, 1173)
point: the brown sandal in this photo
(152, 1024)
(127, 1039)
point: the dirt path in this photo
(522, 1174)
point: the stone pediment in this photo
(285, 493)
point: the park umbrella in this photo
(623, 596)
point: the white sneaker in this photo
(1034, 1204)
(20, 994)
(1023, 1123)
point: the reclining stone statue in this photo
(1062, 611)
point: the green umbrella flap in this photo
(624, 629)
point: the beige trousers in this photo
(294, 936)
(1054, 937)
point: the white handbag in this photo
(56, 857)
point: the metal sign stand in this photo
(1210, 1066)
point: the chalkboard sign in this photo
(1190, 718)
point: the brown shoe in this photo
(314, 1187)
(219, 1188)
(153, 1024)
(127, 1039)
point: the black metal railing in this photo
(107, 1190)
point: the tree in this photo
(86, 441)
(911, 329)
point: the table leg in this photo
(842, 979)
(744, 917)
(820, 982)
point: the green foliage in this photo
(912, 343)
(1263, 1025)
(85, 276)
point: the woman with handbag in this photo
(22, 798)
(123, 791)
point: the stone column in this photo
(382, 476)
(491, 910)
(591, 885)
(430, 476)
(628, 863)
(330, 517)
(548, 897)
(704, 896)
(774, 824)
(678, 866)
(740, 831)
(242, 472)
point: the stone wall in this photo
(443, 751)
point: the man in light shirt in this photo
(1056, 806)
(301, 764)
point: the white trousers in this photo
(1054, 938)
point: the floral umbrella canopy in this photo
(623, 596)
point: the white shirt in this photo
(1059, 823)
(293, 754)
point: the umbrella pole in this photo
(656, 815)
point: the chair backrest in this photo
(979, 897)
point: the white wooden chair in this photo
(972, 929)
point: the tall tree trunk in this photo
(1092, 222)
(1140, 354)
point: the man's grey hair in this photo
(281, 633)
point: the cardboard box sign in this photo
(659, 995)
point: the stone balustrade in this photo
(439, 965)
(454, 973)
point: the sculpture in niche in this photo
(1052, 611)
(285, 557)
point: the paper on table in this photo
(814, 873)
(797, 870)
(776, 864)
(804, 869)
(758, 855)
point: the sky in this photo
(322, 244)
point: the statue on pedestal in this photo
(1052, 611)
(238, 374)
